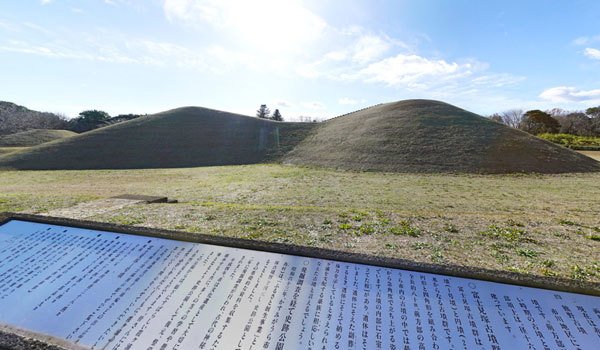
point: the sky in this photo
(313, 58)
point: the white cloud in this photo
(369, 48)
(347, 101)
(584, 40)
(45, 2)
(412, 71)
(314, 105)
(570, 94)
(592, 53)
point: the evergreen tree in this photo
(277, 116)
(263, 112)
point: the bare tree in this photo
(497, 118)
(575, 123)
(513, 118)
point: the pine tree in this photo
(263, 112)
(277, 116)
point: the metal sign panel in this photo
(118, 291)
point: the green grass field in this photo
(538, 224)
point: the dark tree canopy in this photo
(263, 112)
(593, 112)
(538, 122)
(89, 120)
(277, 116)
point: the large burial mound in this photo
(33, 137)
(183, 137)
(415, 136)
(424, 136)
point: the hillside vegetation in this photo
(425, 136)
(33, 137)
(413, 136)
(183, 137)
(590, 143)
(15, 118)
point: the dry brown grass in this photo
(6, 150)
(592, 154)
(540, 224)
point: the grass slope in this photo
(424, 136)
(183, 137)
(413, 136)
(33, 137)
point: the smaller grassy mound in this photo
(583, 143)
(182, 137)
(6, 150)
(33, 137)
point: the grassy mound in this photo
(423, 136)
(183, 137)
(413, 136)
(33, 137)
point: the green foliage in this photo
(538, 122)
(593, 112)
(366, 229)
(88, 120)
(530, 253)
(510, 234)
(405, 229)
(573, 141)
(345, 226)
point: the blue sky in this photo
(314, 58)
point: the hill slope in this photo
(413, 136)
(15, 118)
(183, 137)
(424, 136)
(33, 137)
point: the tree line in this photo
(554, 121)
(93, 119)
(265, 113)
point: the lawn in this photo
(539, 224)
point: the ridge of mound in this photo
(182, 137)
(33, 137)
(425, 136)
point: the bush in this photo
(573, 141)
